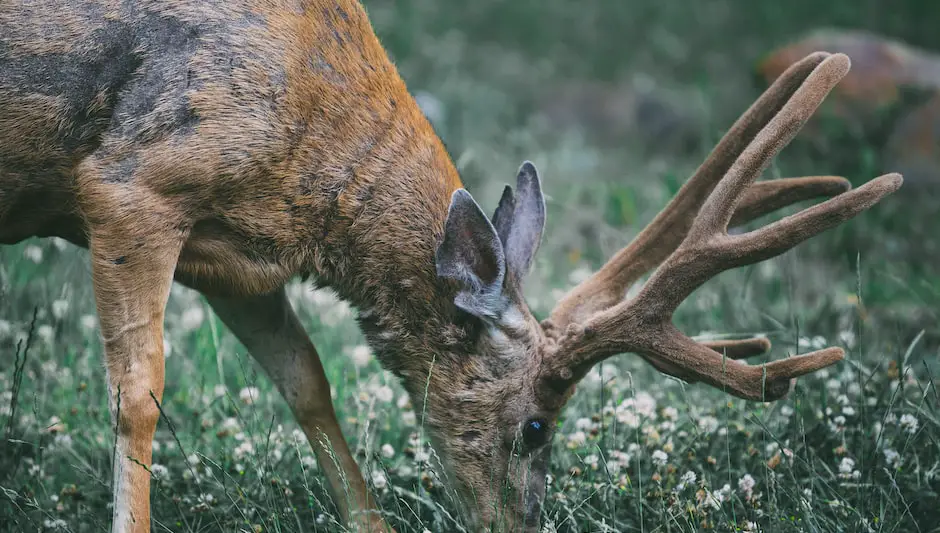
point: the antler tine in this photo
(608, 286)
(644, 324)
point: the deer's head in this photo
(492, 410)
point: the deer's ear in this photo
(472, 254)
(520, 220)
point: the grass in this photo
(856, 448)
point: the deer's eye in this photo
(535, 432)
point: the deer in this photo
(233, 146)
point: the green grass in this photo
(854, 448)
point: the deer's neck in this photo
(381, 219)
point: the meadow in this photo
(617, 102)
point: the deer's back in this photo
(255, 115)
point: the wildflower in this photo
(847, 469)
(659, 458)
(309, 461)
(893, 458)
(206, 498)
(422, 456)
(708, 424)
(244, 448)
(60, 308)
(403, 402)
(746, 486)
(909, 423)
(387, 451)
(5, 329)
(46, 333)
(847, 338)
(159, 471)
(689, 478)
(670, 413)
(592, 461)
(579, 274)
(409, 418)
(33, 253)
(230, 425)
(361, 355)
(384, 394)
(584, 424)
(577, 439)
(219, 391)
(58, 523)
(89, 321)
(379, 480)
(848, 411)
(249, 395)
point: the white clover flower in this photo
(219, 391)
(387, 451)
(671, 413)
(309, 461)
(645, 405)
(384, 394)
(848, 411)
(403, 401)
(847, 338)
(842, 399)
(58, 523)
(206, 498)
(167, 347)
(689, 478)
(409, 418)
(192, 318)
(361, 355)
(583, 424)
(708, 424)
(591, 460)
(243, 449)
(659, 458)
(159, 471)
(746, 485)
(231, 424)
(33, 253)
(422, 456)
(893, 458)
(192, 459)
(89, 321)
(46, 333)
(847, 469)
(576, 439)
(909, 423)
(579, 274)
(249, 395)
(628, 417)
(60, 308)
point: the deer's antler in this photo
(690, 243)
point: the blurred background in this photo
(617, 102)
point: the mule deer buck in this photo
(234, 145)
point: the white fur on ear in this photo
(472, 254)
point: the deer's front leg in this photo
(133, 271)
(268, 327)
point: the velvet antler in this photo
(689, 243)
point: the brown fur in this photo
(234, 145)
